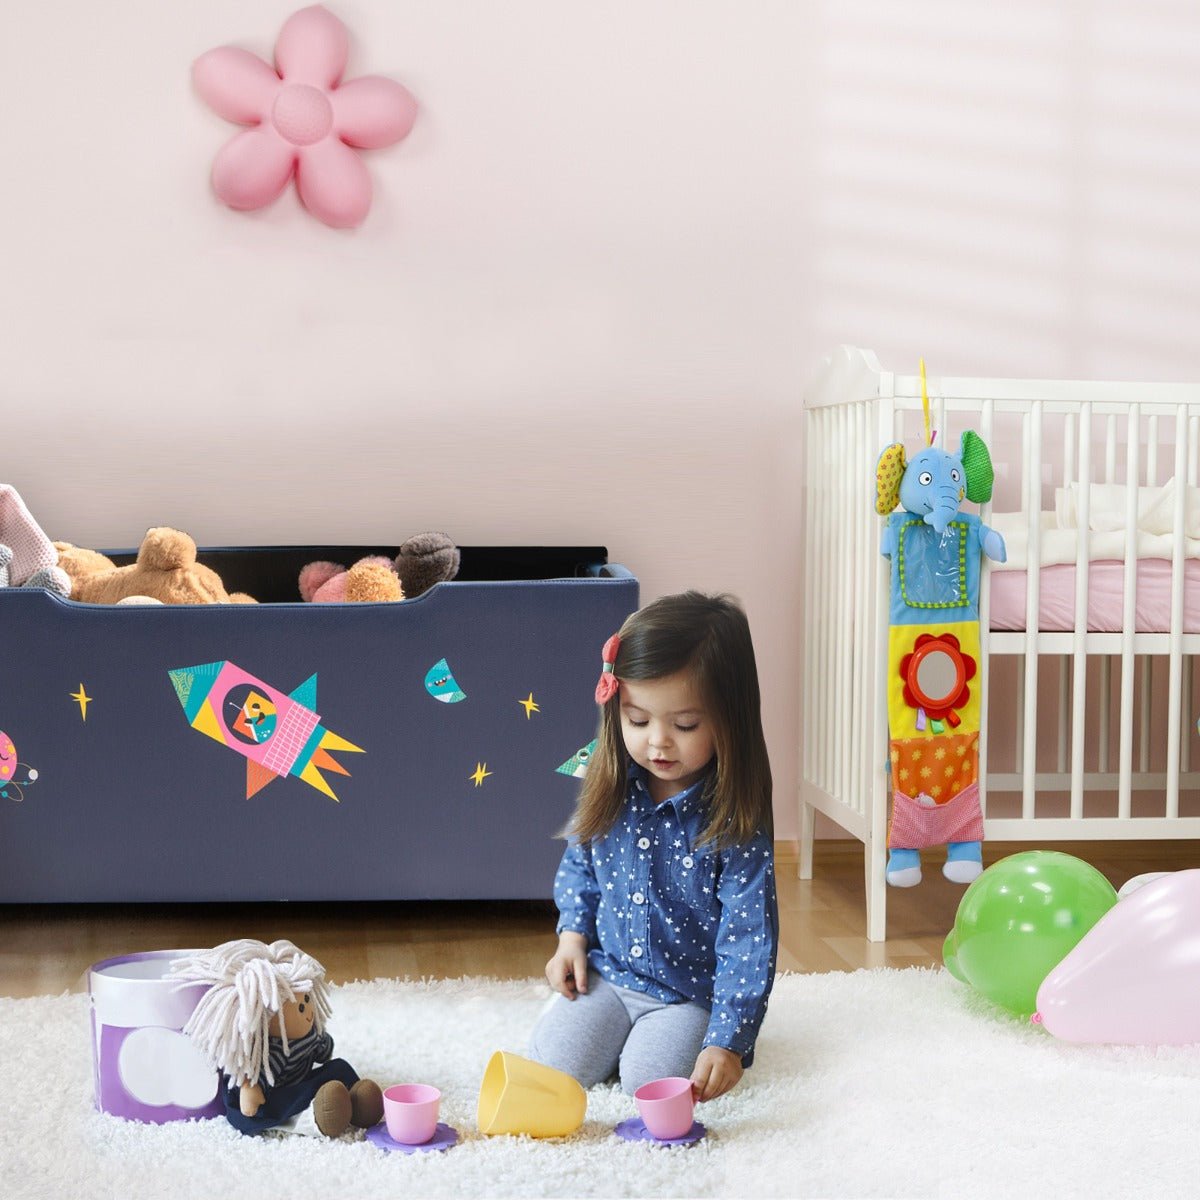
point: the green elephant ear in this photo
(977, 463)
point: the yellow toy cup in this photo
(520, 1096)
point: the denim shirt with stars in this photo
(676, 920)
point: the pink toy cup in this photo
(666, 1106)
(410, 1111)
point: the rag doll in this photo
(262, 1025)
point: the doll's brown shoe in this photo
(366, 1104)
(331, 1108)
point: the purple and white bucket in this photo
(145, 1068)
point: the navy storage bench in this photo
(290, 751)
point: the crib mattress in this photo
(1106, 597)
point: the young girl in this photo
(666, 892)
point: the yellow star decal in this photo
(480, 773)
(530, 706)
(83, 700)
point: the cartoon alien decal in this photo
(576, 765)
(441, 684)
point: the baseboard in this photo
(1166, 850)
(787, 850)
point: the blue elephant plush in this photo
(936, 553)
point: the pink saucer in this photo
(443, 1138)
(634, 1130)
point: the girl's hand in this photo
(567, 970)
(717, 1070)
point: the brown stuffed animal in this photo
(166, 570)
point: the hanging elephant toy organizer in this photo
(934, 685)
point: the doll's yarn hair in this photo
(249, 982)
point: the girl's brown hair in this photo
(709, 637)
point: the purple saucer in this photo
(634, 1130)
(444, 1136)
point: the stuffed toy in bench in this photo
(423, 560)
(166, 570)
(27, 556)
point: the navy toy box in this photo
(288, 751)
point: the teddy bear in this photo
(423, 560)
(166, 570)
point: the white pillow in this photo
(1106, 508)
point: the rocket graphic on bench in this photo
(278, 734)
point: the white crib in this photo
(1087, 719)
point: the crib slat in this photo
(1185, 731)
(822, 503)
(812, 600)
(1128, 617)
(1105, 713)
(862, 526)
(1019, 723)
(1079, 640)
(1063, 706)
(842, 633)
(985, 626)
(1175, 673)
(1033, 501)
(875, 848)
(1189, 666)
(1145, 693)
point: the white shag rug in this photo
(881, 1083)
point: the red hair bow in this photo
(606, 689)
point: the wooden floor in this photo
(48, 948)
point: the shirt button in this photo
(643, 843)
(635, 951)
(638, 898)
(688, 861)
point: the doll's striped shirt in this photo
(301, 1054)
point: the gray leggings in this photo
(609, 1027)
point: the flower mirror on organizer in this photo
(935, 678)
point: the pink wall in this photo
(595, 276)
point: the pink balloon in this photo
(304, 120)
(1134, 978)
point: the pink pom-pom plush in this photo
(314, 576)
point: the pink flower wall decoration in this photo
(304, 120)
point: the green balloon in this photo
(1019, 920)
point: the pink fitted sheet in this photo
(1106, 597)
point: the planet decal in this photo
(14, 776)
(441, 684)
(576, 765)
